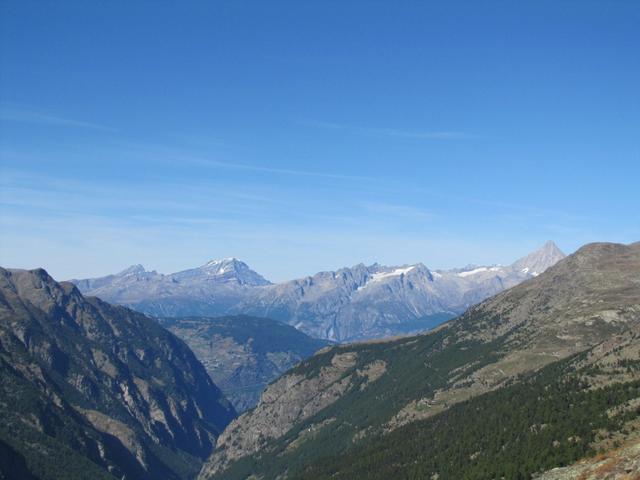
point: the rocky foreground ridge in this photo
(91, 390)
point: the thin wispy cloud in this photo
(175, 156)
(392, 132)
(400, 211)
(274, 170)
(322, 124)
(47, 119)
(159, 202)
(443, 135)
(523, 210)
(56, 195)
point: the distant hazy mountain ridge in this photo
(349, 304)
(209, 290)
(243, 354)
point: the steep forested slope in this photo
(356, 403)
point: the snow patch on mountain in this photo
(377, 277)
(384, 275)
(479, 270)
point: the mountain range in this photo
(210, 290)
(534, 378)
(92, 390)
(539, 381)
(349, 304)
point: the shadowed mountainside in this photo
(91, 390)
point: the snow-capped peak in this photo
(226, 270)
(215, 262)
(539, 260)
(132, 270)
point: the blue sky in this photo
(306, 136)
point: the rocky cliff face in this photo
(93, 390)
(243, 354)
(588, 302)
(354, 303)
